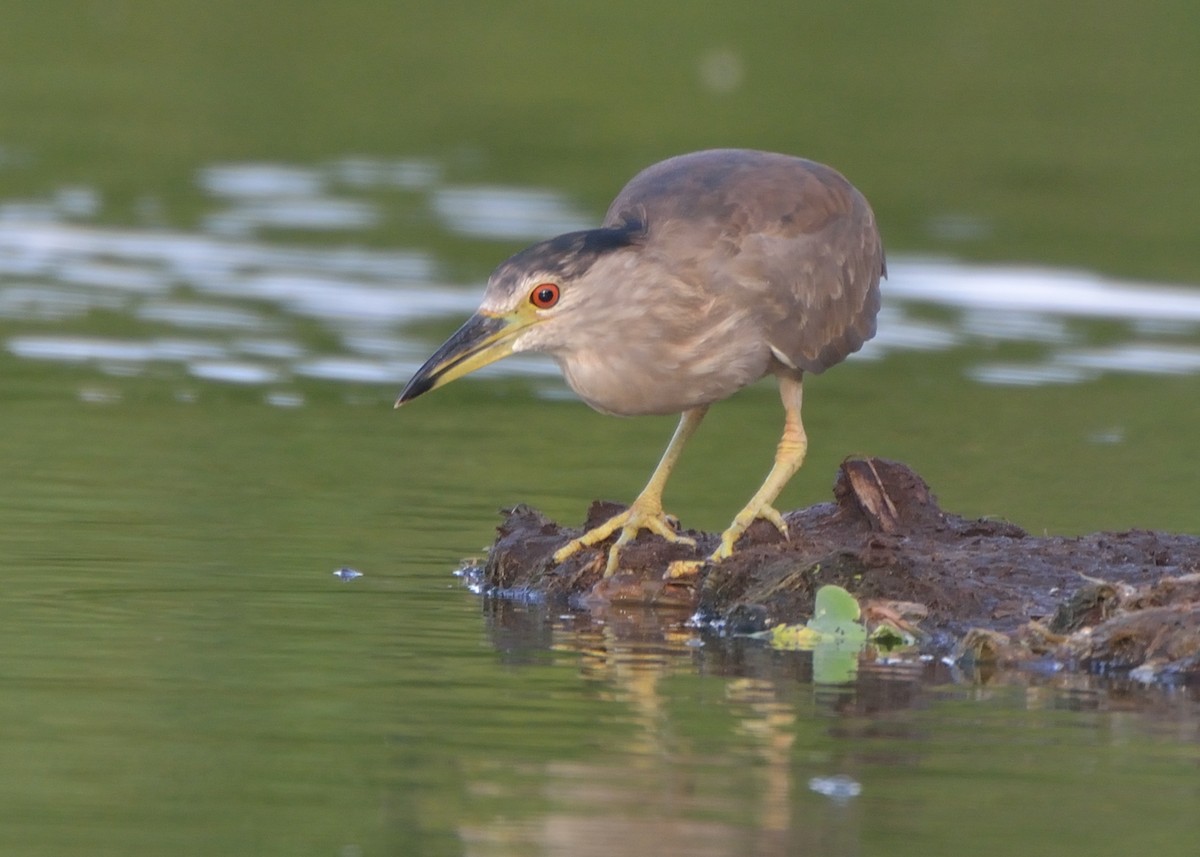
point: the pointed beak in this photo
(483, 339)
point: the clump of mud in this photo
(984, 589)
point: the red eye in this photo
(544, 296)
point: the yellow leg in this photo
(646, 512)
(788, 457)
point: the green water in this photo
(182, 673)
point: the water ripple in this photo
(507, 212)
(234, 372)
(181, 314)
(242, 181)
(250, 305)
(1038, 290)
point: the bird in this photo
(710, 271)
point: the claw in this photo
(630, 522)
(646, 512)
(741, 523)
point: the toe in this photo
(725, 548)
(684, 569)
(769, 513)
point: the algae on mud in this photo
(982, 589)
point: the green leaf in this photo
(833, 635)
(834, 611)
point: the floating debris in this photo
(346, 574)
(470, 572)
(834, 623)
(839, 787)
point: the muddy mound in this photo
(985, 589)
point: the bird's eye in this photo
(544, 296)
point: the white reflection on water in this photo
(37, 248)
(507, 212)
(994, 304)
(1038, 290)
(292, 213)
(272, 349)
(898, 332)
(248, 181)
(248, 304)
(1138, 357)
(280, 197)
(181, 314)
(349, 369)
(97, 396)
(107, 275)
(234, 372)
(1014, 325)
(342, 298)
(284, 399)
(374, 173)
(73, 349)
(49, 303)
(1033, 375)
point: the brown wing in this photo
(791, 238)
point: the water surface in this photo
(187, 674)
(229, 232)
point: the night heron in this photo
(710, 271)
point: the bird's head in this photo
(535, 301)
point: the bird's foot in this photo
(638, 517)
(684, 570)
(741, 523)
